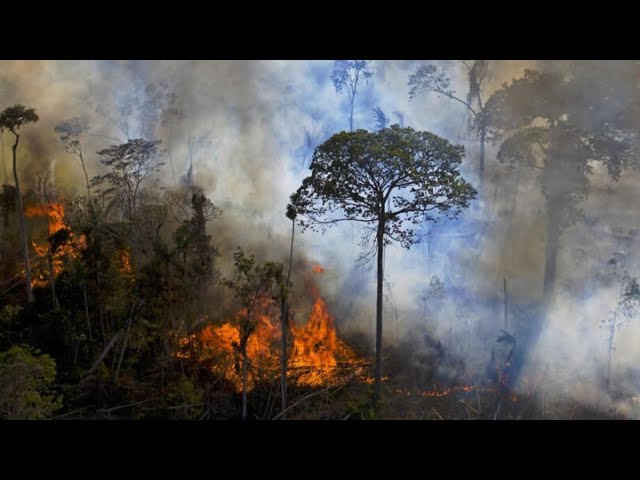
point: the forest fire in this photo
(316, 354)
(59, 243)
(317, 350)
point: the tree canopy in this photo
(354, 176)
(12, 118)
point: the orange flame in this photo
(125, 263)
(317, 269)
(447, 391)
(317, 349)
(54, 213)
(315, 359)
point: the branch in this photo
(464, 63)
(103, 354)
(306, 397)
(413, 209)
(327, 222)
(119, 140)
(453, 97)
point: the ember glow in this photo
(67, 247)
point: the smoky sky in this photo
(254, 118)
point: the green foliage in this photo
(13, 118)
(26, 377)
(252, 284)
(354, 175)
(191, 237)
(185, 400)
(291, 212)
(130, 165)
(10, 313)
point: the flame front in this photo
(317, 350)
(54, 213)
(316, 356)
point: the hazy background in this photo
(251, 119)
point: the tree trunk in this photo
(483, 134)
(610, 350)
(377, 392)
(351, 115)
(285, 326)
(86, 175)
(551, 258)
(4, 165)
(506, 319)
(86, 310)
(23, 228)
(173, 171)
(52, 280)
(244, 383)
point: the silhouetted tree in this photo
(284, 298)
(626, 309)
(70, 132)
(545, 123)
(345, 76)
(12, 119)
(131, 164)
(430, 78)
(382, 121)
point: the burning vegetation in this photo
(59, 244)
(317, 356)
(118, 298)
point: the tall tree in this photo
(131, 164)
(430, 78)
(284, 299)
(345, 77)
(192, 241)
(70, 132)
(626, 309)
(5, 177)
(12, 119)
(353, 175)
(546, 122)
